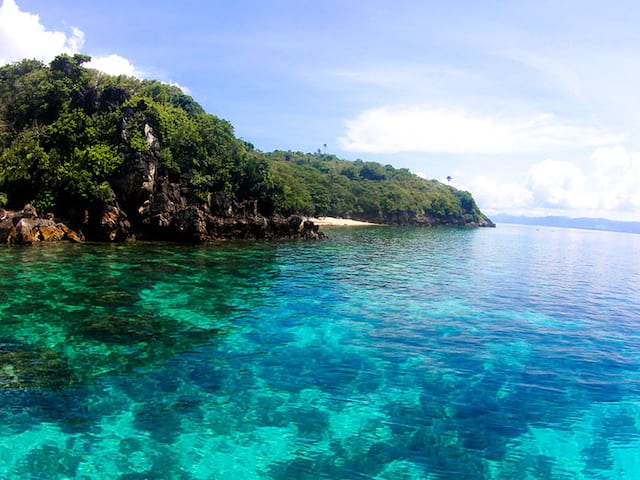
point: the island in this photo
(89, 156)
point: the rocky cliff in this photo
(146, 204)
(186, 223)
(142, 203)
(115, 158)
(25, 227)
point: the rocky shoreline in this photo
(25, 227)
(119, 159)
(143, 202)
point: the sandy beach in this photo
(333, 221)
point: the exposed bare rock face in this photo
(144, 202)
(26, 227)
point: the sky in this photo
(532, 106)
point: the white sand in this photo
(333, 221)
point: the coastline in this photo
(340, 222)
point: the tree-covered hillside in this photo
(67, 134)
(319, 184)
(65, 130)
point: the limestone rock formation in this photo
(25, 227)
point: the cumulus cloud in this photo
(113, 65)
(616, 175)
(23, 36)
(611, 182)
(445, 130)
(491, 195)
(561, 184)
(608, 185)
(184, 89)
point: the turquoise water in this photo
(380, 353)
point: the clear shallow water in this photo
(381, 353)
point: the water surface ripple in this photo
(381, 353)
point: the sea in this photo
(381, 353)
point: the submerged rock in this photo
(22, 366)
(120, 329)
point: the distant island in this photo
(85, 155)
(601, 224)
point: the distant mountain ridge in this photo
(601, 224)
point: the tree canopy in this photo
(66, 130)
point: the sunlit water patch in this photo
(380, 353)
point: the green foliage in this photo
(318, 184)
(24, 92)
(51, 151)
(66, 130)
(26, 170)
(373, 171)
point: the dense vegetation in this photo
(66, 130)
(325, 185)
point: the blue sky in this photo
(530, 105)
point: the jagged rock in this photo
(135, 183)
(26, 232)
(219, 205)
(113, 224)
(150, 138)
(29, 212)
(73, 236)
(147, 202)
(113, 97)
(93, 100)
(22, 228)
(7, 230)
(189, 224)
(310, 230)
(51, 233)
(295, 223)
(487, 223)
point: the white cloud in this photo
(445, 130)
(76, 40)
(612, 182)
(561, 184)
(608, 185)
(23, 36)
(616, 175)
(185, 90)
(492, 195)
(113, 65)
